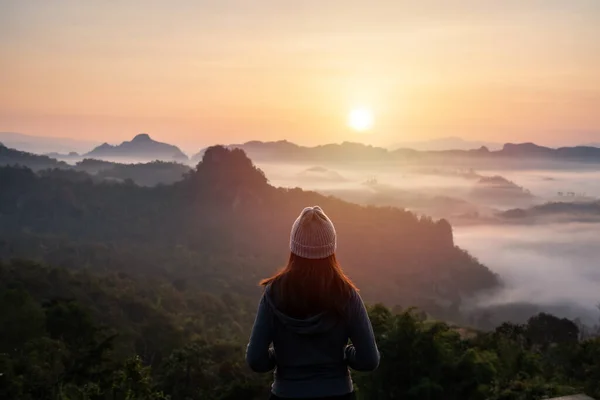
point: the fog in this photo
(554, 266)
(547, 183)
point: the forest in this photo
(113, 290)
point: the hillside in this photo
(227, 218)
(499, 189)
(35, 162)
(115, 336)
(141, 147)
(574, 211)
(144, 174)
(148, 174)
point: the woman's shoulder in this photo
(353, 294)
(354, 301)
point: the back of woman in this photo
(308, 313)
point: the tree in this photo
(21, 319)
(545, 329)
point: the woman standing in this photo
(306, 316)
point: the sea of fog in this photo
(552, 265)
(547, 183)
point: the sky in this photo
(227, 71)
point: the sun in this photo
(360, 119)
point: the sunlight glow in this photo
(360, 119)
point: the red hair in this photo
(306, 287)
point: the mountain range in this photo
(447, 143)
(143, 174)
(284, 151)
(142, 146)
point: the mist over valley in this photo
(533, 221)
(538, 229)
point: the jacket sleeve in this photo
(259, 355)
(362, 354)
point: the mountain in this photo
(448, 143)
(33, 161)
(44, 144)
(592, 144)
(347, 152)
(62, 156)
(532, 150)
(498, 188)
(260, 150)
(93, 166)
(224, 227)
(143, 174)
(141, 147)
(286, 151)
(320, 174)
(572, 211)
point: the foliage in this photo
(424, 359)
(148, 174)
(76, 335)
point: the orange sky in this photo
(198, 72)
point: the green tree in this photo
(21, 319)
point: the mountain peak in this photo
(141, 147)
(230, 167)
(142, 137)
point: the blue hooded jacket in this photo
(311, 356)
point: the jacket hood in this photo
(312, 325)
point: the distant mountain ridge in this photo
(35, 162)
(144, 174)
(447, 143)
(285, 151)
(44, 144)
(586, 211)
(142, 146)
(593, 144)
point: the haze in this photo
(547, 263)
(196, 73)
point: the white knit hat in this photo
(313, 234)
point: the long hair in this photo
(306, 287)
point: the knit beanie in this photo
(313, 235)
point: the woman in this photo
(307, 313)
